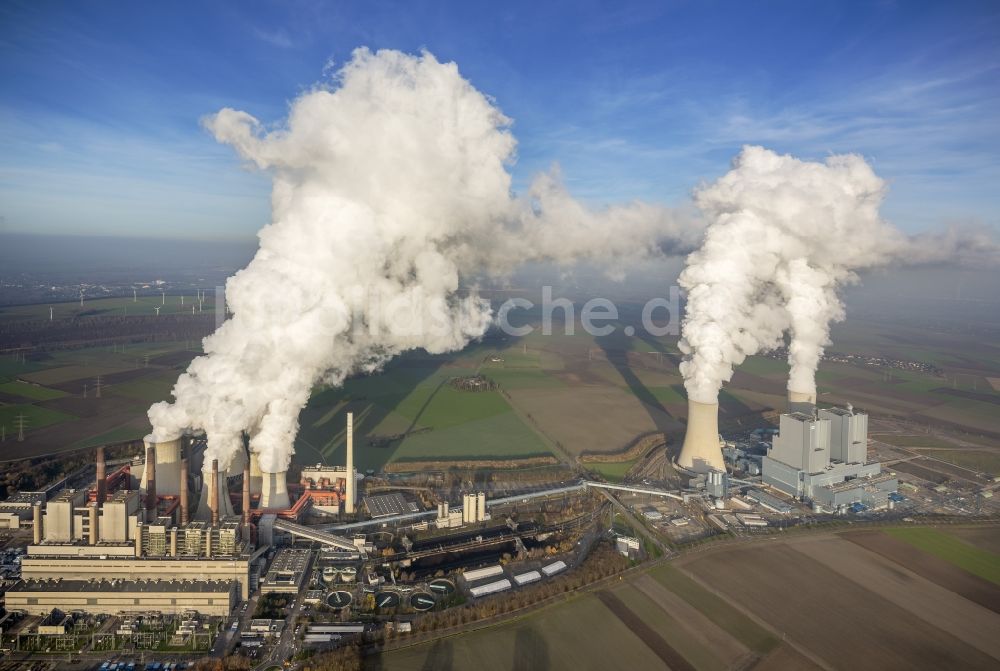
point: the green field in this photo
(911, 441)
(968, 557)
(745, 630)
(34, 417)
(31, 391)
(414, 398)
(976, 460)
(110, 307)
(613, 471)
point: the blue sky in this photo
(100, 101)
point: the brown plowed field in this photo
(654, 641)
(783, 658)
(946, 610)
(938, 571)
(841, 622)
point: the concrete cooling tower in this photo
(256, 477)
(168, 466)
(702, 448)
(274, 490)
(209, 496)
(236, 465)
(799, 401)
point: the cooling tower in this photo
(204, 512)
(351, 483)
(238, 462)
(256, 477)
(803, 402)
(168, 466)
(274, 491)
(702, 449)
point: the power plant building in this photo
(112, 596)
(823, 458)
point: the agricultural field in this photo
(612, 471)
(964, 555)
(548, 639)
(821, 591)
(56, 393)
(775, 604)
(561, 394)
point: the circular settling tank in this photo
(421, 601)
(442, 586)
(338, 600)
(386, 600)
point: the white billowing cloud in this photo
(389, 185)
(783, 236)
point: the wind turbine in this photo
(157, 308)
(135, 295)
(50, 314)
(164, 293)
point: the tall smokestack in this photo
(102, 477)
(702, 450)
(349, 489)
(92, 512)
(150, 483)
(246, 493)
(213, 492)
(185, 496)
(803, 402)
(36, 511)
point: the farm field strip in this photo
(742, 628)
(578, 634)
(822, 610)
(964, 555)
(641, 628)
(723, 645)
(933, 568)
(941, 608)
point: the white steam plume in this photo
(388, 187)
(783, 235)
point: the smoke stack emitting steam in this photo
(389, 185)
(350, 481)
(782, 237)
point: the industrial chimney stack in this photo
(185, 496)
(351, 482)
(102, 477)
(213, 492)
(150, 483)
(702, 449)
(246, 493)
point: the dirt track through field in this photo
(699, 627)
(653, 641)
(937, 570)
(932, 603)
